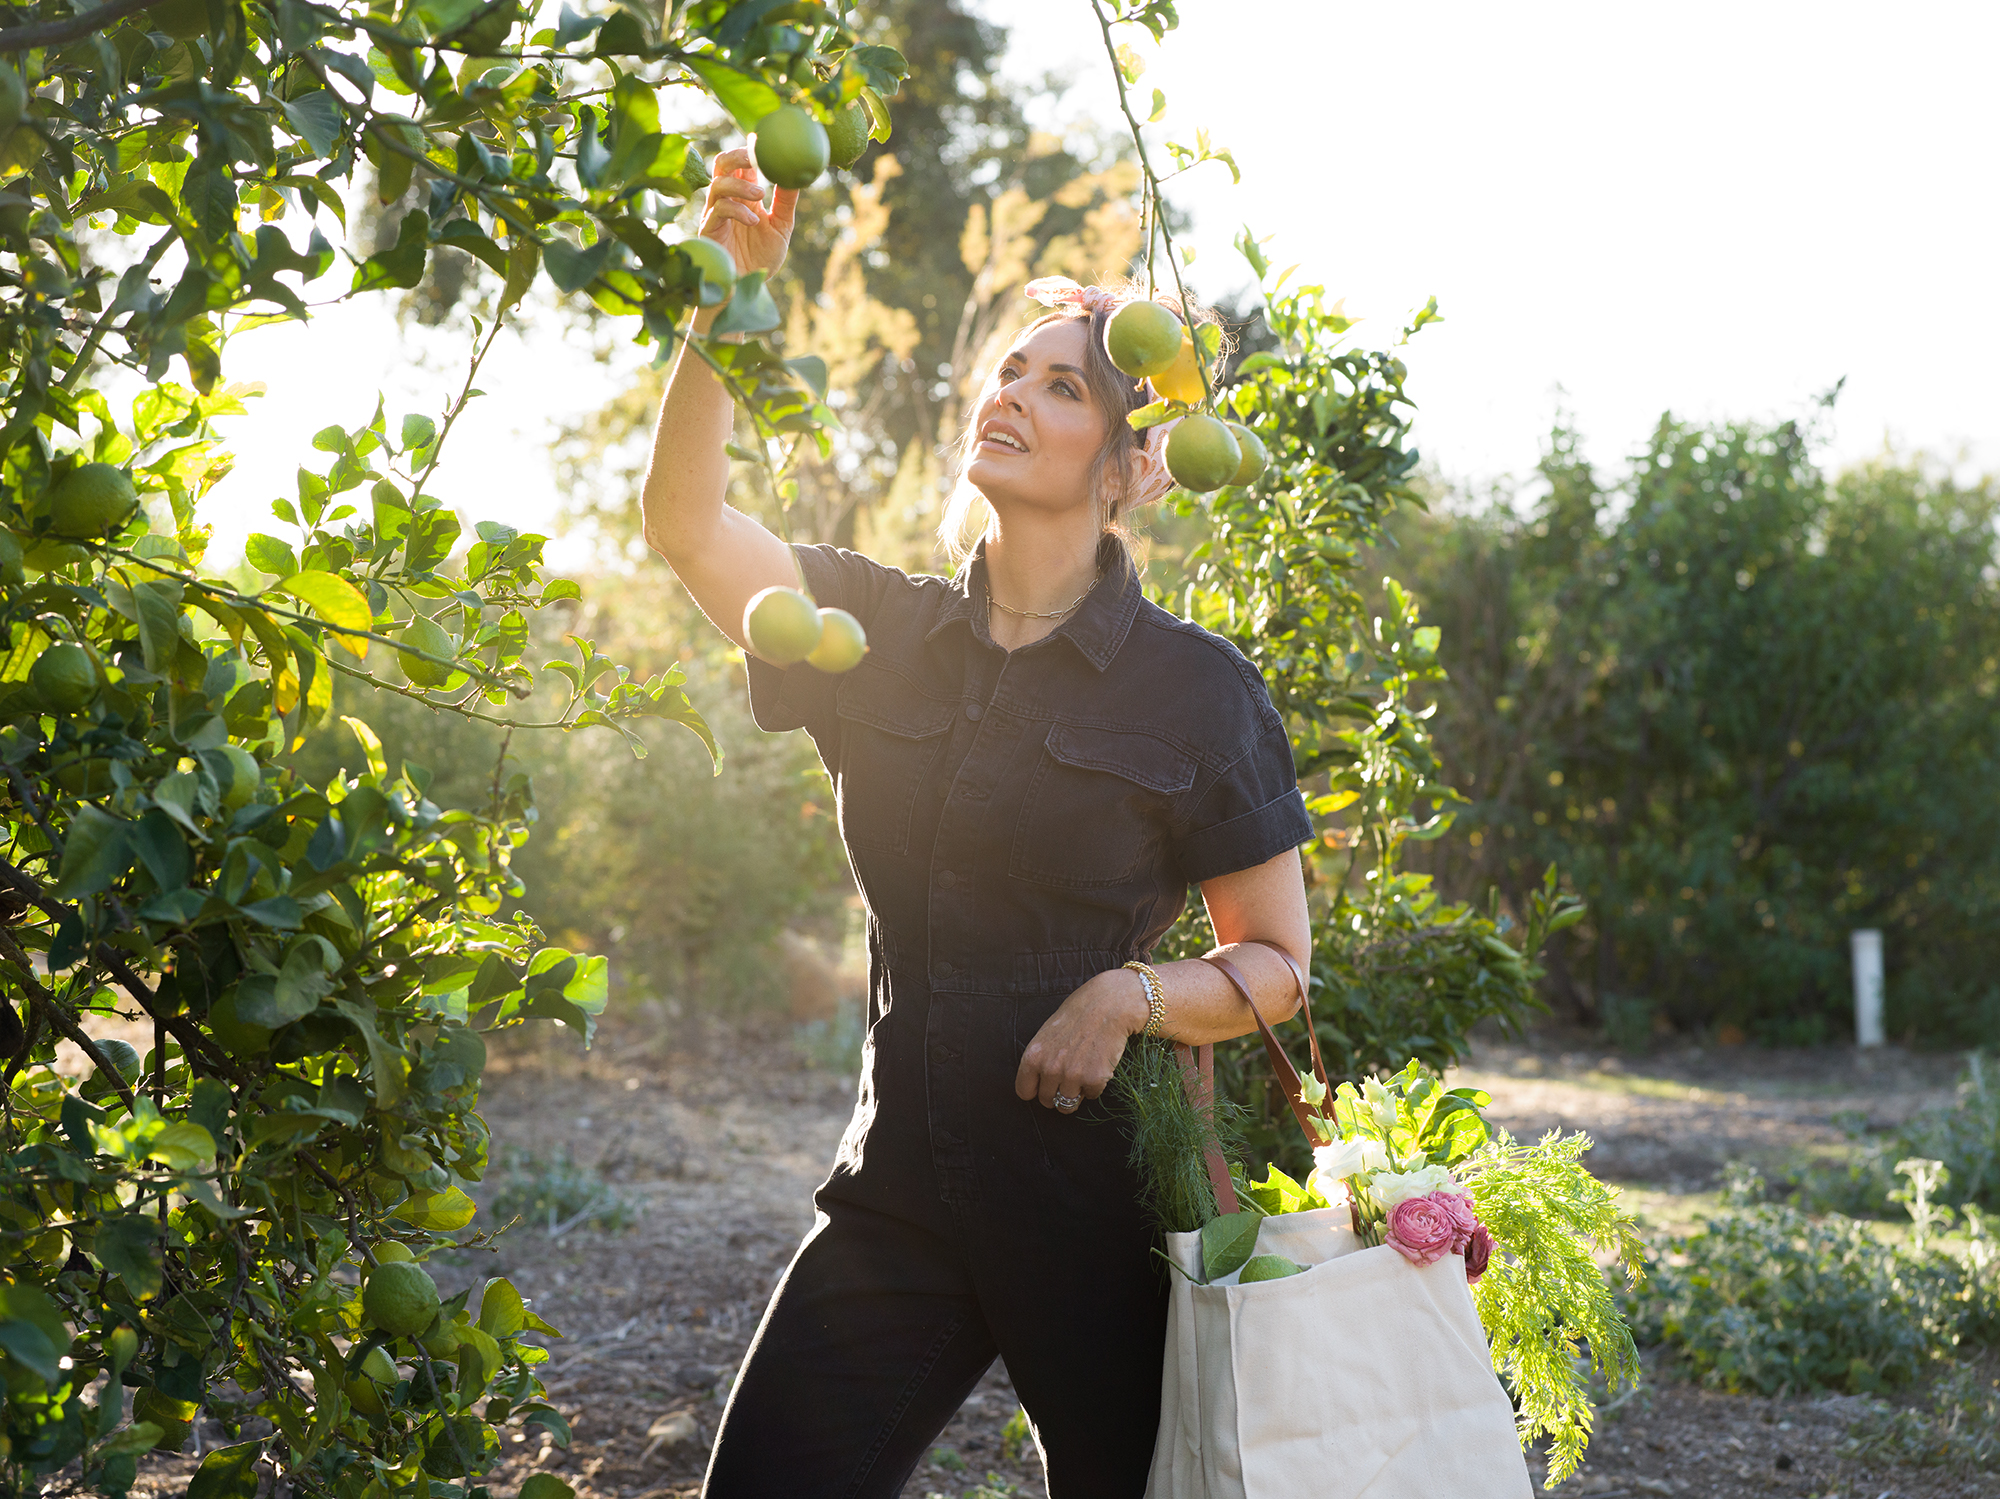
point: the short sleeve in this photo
(801, 697)
(1249, 813)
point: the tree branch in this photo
(55, 33)
(51, 1007)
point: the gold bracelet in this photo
(1156, 999)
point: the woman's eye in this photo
(1066, 388)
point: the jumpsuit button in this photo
(974, 712)
(942, 970)
(946, 880)
(942, 1053)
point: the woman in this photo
(1033, 764)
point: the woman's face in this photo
(1038, 427)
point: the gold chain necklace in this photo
(993, 603)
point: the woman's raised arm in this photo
(722, 555)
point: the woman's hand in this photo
(1078, 1047)
(734, 215)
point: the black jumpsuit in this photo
(1017, 822)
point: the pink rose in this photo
(1421, 1229)
(1478, 1250)
(1464, 1220)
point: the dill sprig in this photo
(1543, 1298)
(1170, 1136)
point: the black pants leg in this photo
(871, 1343)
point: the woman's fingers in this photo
(784, 208)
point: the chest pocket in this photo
(1097, 808)
(891, 737)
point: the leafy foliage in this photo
(1398, 971)
(316, 959)
(1956, 1429)
(1963, 1137)
(1544, 1301)
(1764, 1297)
(1748, 707)
(1171, 1135)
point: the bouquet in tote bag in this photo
(1324, 1340)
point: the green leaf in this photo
(317, 119)
(129, 1247)
(227, 1473)
(571, 268)
(269, 555)
(746, 96)
(545, 1485)
(136, 1438)
(334, 600)
(502, 1313)
(751, 310)
(31, 1347)
(1227, 1242)
(402, 265)
(1151, 415)
(440, 1212)
(95, 852)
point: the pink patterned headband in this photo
(1150, 479)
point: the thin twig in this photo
(55, 33)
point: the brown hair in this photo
(1116, 393)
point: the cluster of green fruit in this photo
(784, 627)
(1148, 341)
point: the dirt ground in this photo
(719, 1142)
(721, 1147)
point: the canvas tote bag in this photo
(1365, 1377)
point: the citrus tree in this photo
(1290, 464)
(232, 1217)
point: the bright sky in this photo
(1718, 209)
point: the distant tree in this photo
(1749, 708)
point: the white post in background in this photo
(1866, 946)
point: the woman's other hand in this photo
(1078, 1047)
(734, 215)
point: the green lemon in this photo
(92, 501)
(11, 570)
(842, 642)
(48, 554)
(245, 776)
(393, 1252)
(1202, 453)
(65, 676)
(379, 1367)
(1254, 457)
(400, 1299)
(425, 635)
(1268, 1267)
(236, 1036)
(1143, 339)
(792, 148)
(364, 1397)
(782, 625)
(847, 136)
(717, 267)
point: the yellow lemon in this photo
(842, 642)
(791, 146)
(1182, 381)
(1202, 453)
(1254, 457)
(1143, 339)
(782, 625)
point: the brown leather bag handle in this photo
(1198, 1067)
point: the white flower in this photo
(1381, 1102)
(1349, 1158)
(1392, 1187)
(1312, 1092)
